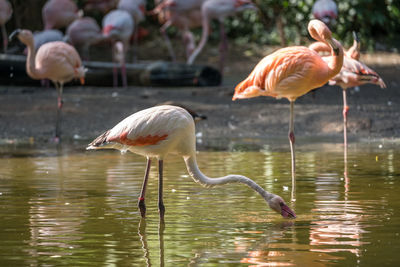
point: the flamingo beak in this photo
(13, 34)
(286, 212)
(333, 44)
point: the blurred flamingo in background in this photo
(325, 10)
(5, 14)
(291, 72)
(158, 131)
(59, 14)
(83, 33)
(118, 27)
(137, 9)
(218, 9)
(169, 14)
(56, 61)
(353, 74)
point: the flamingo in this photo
(353, 74)
(118, 26)
(5, 15)
(218, 9)
(325, 10)
(291, 72)
(183, 15)
(137, 9)
(83, 33)
(56, 61)
(161, 130)
(59, 13)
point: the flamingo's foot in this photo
(55, 140)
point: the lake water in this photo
(70, 207)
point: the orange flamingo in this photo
(5, 15)
(158, 131)
(291, 72)
(353, 74)
(56, 61)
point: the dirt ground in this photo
(28, 113)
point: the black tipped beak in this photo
(13, 34)
(286, 212)
(334, 46)
(355, 36)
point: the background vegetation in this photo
(278, 22)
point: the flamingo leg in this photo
(5, 38)
(292, 141)
(141, 204)
(223, 46)
(135, 45)
(161, 207)
(60, 102)
(345, 110)
(123, 75)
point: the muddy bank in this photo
(29, 112)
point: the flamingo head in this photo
(320, 32)
(278, 204)
(25, 36)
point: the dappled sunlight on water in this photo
(73, 207)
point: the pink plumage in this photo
(59, 13)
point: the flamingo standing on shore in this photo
(291, 72)
(118, 27)
(83, 33)
(353, 74)
(56, 61)
(5, 14)
(326, 11)
(218, 9)
(59, 14)
(158, 131)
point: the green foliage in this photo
(376, 21)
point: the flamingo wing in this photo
(289, 72)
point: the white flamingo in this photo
(158, 131)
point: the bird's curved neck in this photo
(202, 179)
(335, 61)
(31, 69)
(203, 40)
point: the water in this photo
(70, 207)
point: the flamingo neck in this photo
(203, 40)
(202, 179)
(335, 61)
(31, 69)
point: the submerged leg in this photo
(59, 87)
(292, 141)
(161, 207)
(141, 205)
(345, 110)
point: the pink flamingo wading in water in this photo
(292, 72)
